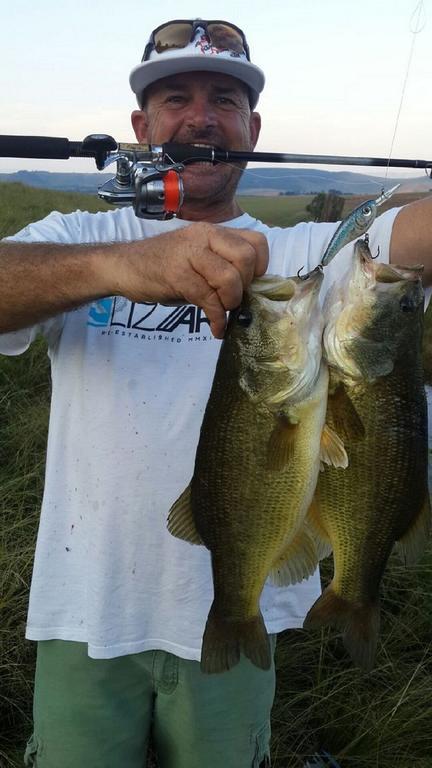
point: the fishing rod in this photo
(148, 176)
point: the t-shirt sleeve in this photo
(54, 228)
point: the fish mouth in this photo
(290, 297)
(311, 282)
(403, 272)
(278, 288)
(381, 272)
(273, 287)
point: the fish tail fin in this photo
(223, 640)
(359, 624)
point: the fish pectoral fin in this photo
(280, 449)
(318, 531)
(297, 561)
(332, 449)
(412, 544)
(180, 519)
(345, 418)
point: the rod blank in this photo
(62, 149)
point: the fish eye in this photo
(406, 304)
(244, 318)
(367, 210)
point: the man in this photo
(118, 606)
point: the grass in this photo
(24, 403)
(382, 719)
(20, 205)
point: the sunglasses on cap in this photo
(179, 33)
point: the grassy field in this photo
(280, 211)
(382, 719)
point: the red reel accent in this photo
(171, 181)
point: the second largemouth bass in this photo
(377, 405)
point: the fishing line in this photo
(293, 175)
(417, 25)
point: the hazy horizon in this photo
(333, 81)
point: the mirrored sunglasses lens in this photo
(226, 38)
(172, 36)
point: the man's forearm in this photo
(40, 280)
(201, 264)
(411, 240)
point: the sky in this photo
(335, 72)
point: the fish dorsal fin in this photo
(180, 519)
(332, 449)
(297, 561)
(346, 420)
(280, 450)
(412, 544)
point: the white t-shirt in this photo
(130, 385)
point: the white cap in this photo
(198, 55)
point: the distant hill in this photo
(256, 181)
(65, 182)
(303, 181)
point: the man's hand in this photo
(203, 264)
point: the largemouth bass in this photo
(377, 404)
(257, 462)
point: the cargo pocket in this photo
(33, 749)
(262, 748)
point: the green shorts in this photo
(98, 713)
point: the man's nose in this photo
(201, 113)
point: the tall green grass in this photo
(20, 205)
(382, 719)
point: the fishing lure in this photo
(355, 224)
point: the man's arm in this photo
(202, 264)
(411, 240)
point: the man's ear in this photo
(140, 125)
(255, 127)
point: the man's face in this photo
(200, 108)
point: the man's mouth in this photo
(208, 145)
(202, 162)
